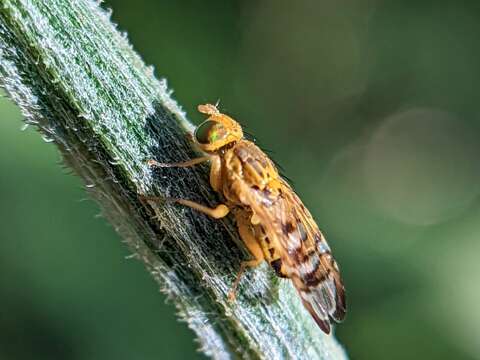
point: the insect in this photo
(272, 221)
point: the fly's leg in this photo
(215, 180)
(215, 170)
(218, 212)
(154, 163)
(253, 246)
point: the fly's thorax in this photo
(246, 169)
(248, 161)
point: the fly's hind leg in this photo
(248, 238)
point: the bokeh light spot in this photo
(421, 166)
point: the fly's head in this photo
(217, 131)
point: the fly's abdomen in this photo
(271, 251)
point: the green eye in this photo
(210, 131)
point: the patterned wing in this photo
(306, 256)
(315, 272)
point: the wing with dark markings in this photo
(306, 256)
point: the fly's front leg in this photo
(189, 163)
(215, 169)
(253, 246)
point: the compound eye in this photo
(209, 132)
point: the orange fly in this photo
(271, 219)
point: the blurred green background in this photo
(372, 109)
